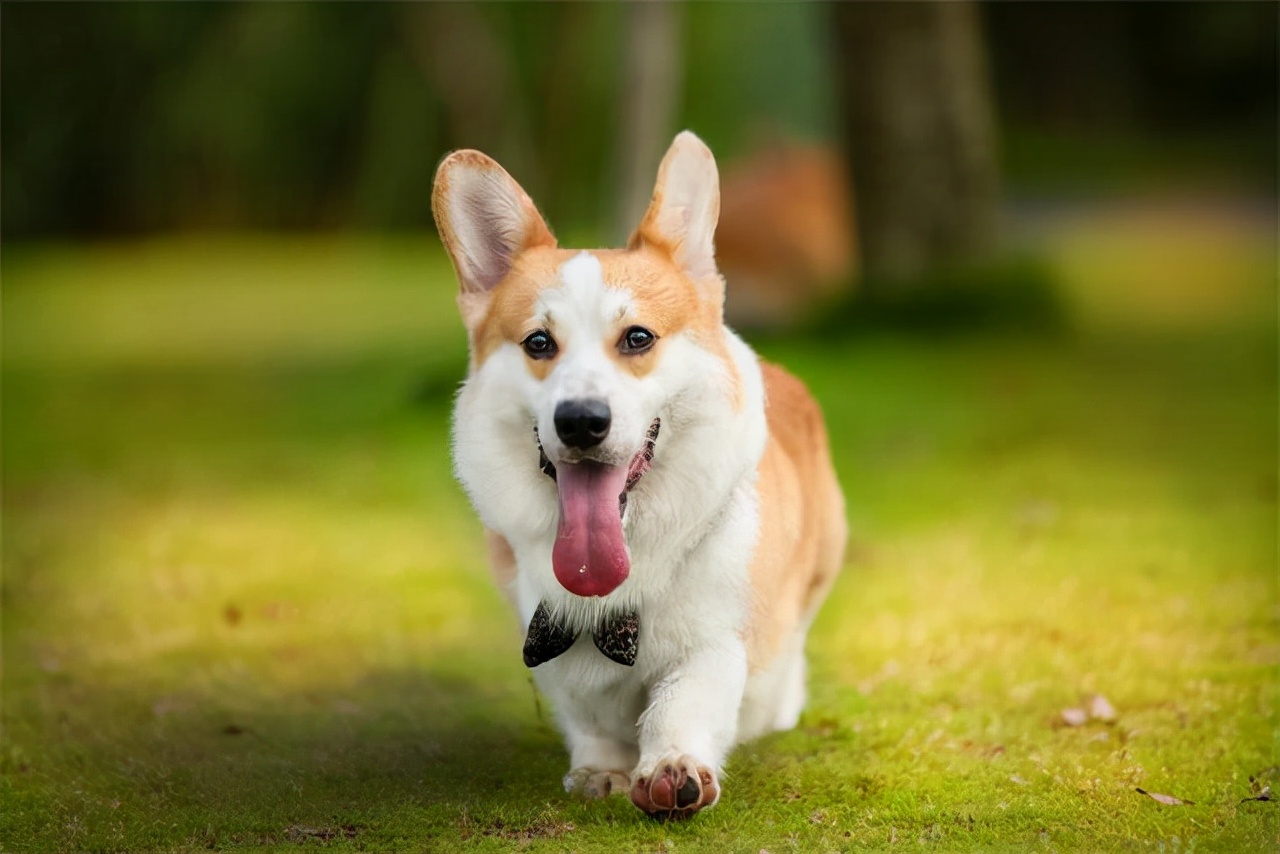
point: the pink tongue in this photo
(590, 554)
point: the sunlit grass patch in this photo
(245, 605)
(244, 300)
(1170, 263)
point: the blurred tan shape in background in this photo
(786, 237)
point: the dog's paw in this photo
(677, 787)
(594, 784)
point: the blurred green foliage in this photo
(123, 117)
(129, 117)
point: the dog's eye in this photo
(539, 345)
(636, 340)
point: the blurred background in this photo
(138, 118)
(1024, 253)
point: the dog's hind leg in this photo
(776, 695)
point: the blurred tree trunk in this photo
(653, 72)
(919, 126)
(463, 59)
(570, 168)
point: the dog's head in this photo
(592, 348)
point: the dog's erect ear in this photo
(485, 219)
(685, 208)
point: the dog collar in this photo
(617, 637)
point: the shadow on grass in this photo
(400, 753)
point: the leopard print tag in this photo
(619, 638)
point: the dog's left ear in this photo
(485, 220)
(685, 208)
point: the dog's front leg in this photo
(596, 709)
(687, 731)
(599, 763)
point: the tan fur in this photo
(802, 522)
(665, 302)
(502, 563)
(511, 307)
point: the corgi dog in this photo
(660, 504)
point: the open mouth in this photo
(640, 463)
(590, 553)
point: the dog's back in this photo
(802, 542)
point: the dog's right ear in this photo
(485, 220)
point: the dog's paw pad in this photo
(594, 784)
(677, 788)
(688, 794)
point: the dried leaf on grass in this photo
(542, 827)
(1075, 717)
(302, 833)
(1260, 792)
(1167, 800)
(1096, 708)
(824, 728)
(1100, 709)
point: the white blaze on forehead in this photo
(582, 271)
(584, 305)
(583, 315)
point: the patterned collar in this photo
(617, 637)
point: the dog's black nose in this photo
(584, 423)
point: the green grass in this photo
(245, 605)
